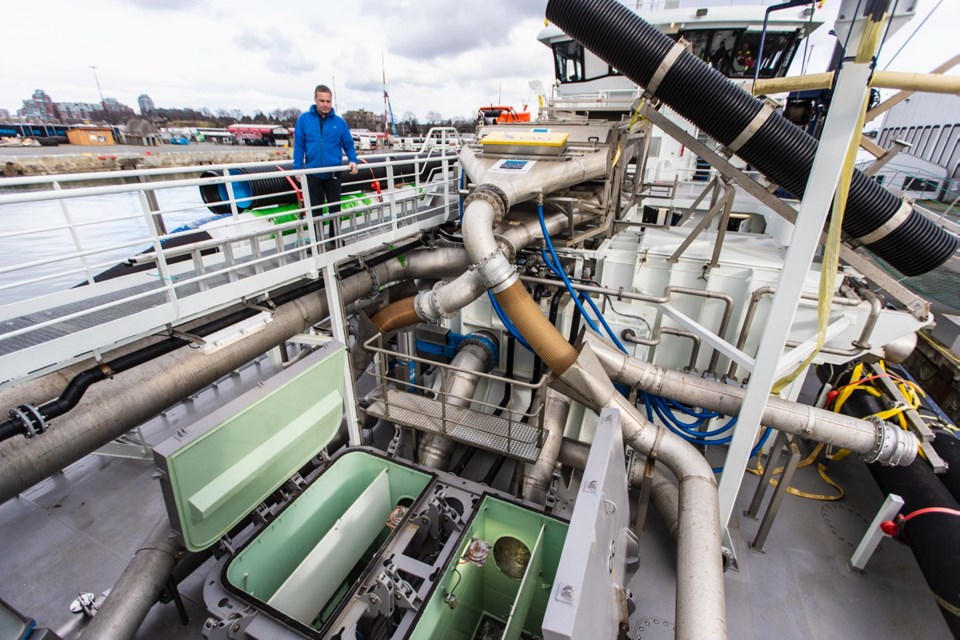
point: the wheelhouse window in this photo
(778, 50)
(733, 52)
(568, 59)
(573, 64)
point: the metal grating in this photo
(492, 433)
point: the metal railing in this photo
(618, 99)
(523, 428)
(90, 267)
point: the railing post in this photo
(391, 197)
(443, 404)
(446, 183)
(74, 234)
(311, 226)
(154, 206)
(162, 266)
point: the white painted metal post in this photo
(838, 131)
(871, 539)
(74, 235)
(331, 287)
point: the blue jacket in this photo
(321, 141)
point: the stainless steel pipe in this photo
(457, 390)
(538, 476)
(112, 407)
(876, 442)
(138, 588)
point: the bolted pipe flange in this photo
(31, 421)
(496, 271)
(487, 341)
(508, 248)
(892, 446)
(492, 195)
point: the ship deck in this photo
(76, 531)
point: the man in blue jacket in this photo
(320, 139)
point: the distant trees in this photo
(203, 117)
(287, 117)
(409, 124)
(113, 115)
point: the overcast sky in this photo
(446, 56)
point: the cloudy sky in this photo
(446, 56)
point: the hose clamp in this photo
(665, 65)
(766, 110)
(888, 227)
(31, 421)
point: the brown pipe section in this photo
(539, 332)
(396, 316)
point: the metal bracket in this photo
(183, 335)
(396, 442)
(916, 305)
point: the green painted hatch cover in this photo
(217, 470)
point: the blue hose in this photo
(555, 266)
(505, 319)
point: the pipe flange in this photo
(509, 249)
(484, 340)
(495, 269)
(892, 446)
(435, 301)
(31, 421)
(374, 285)
(492, 195)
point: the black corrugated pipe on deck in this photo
(279, 190)
(932, 537)
(948, 447)
(781, 151)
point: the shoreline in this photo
(40, 161)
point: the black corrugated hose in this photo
(780, 150)
(279, 190)
(932, 538)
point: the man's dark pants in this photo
(325, 191)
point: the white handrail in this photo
(57, 238)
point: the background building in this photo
(146, 104)
(78, 111)
(930, 123)
(39, 108)
(363, 119)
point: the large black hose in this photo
(932, 537)
(273, 191)
(784, 153)
(947, 447)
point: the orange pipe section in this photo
(538, 331)
(398, 315)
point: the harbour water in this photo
(108, 229)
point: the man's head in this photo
(323, 98)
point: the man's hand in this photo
(353, 168)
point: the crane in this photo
(387, 107)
